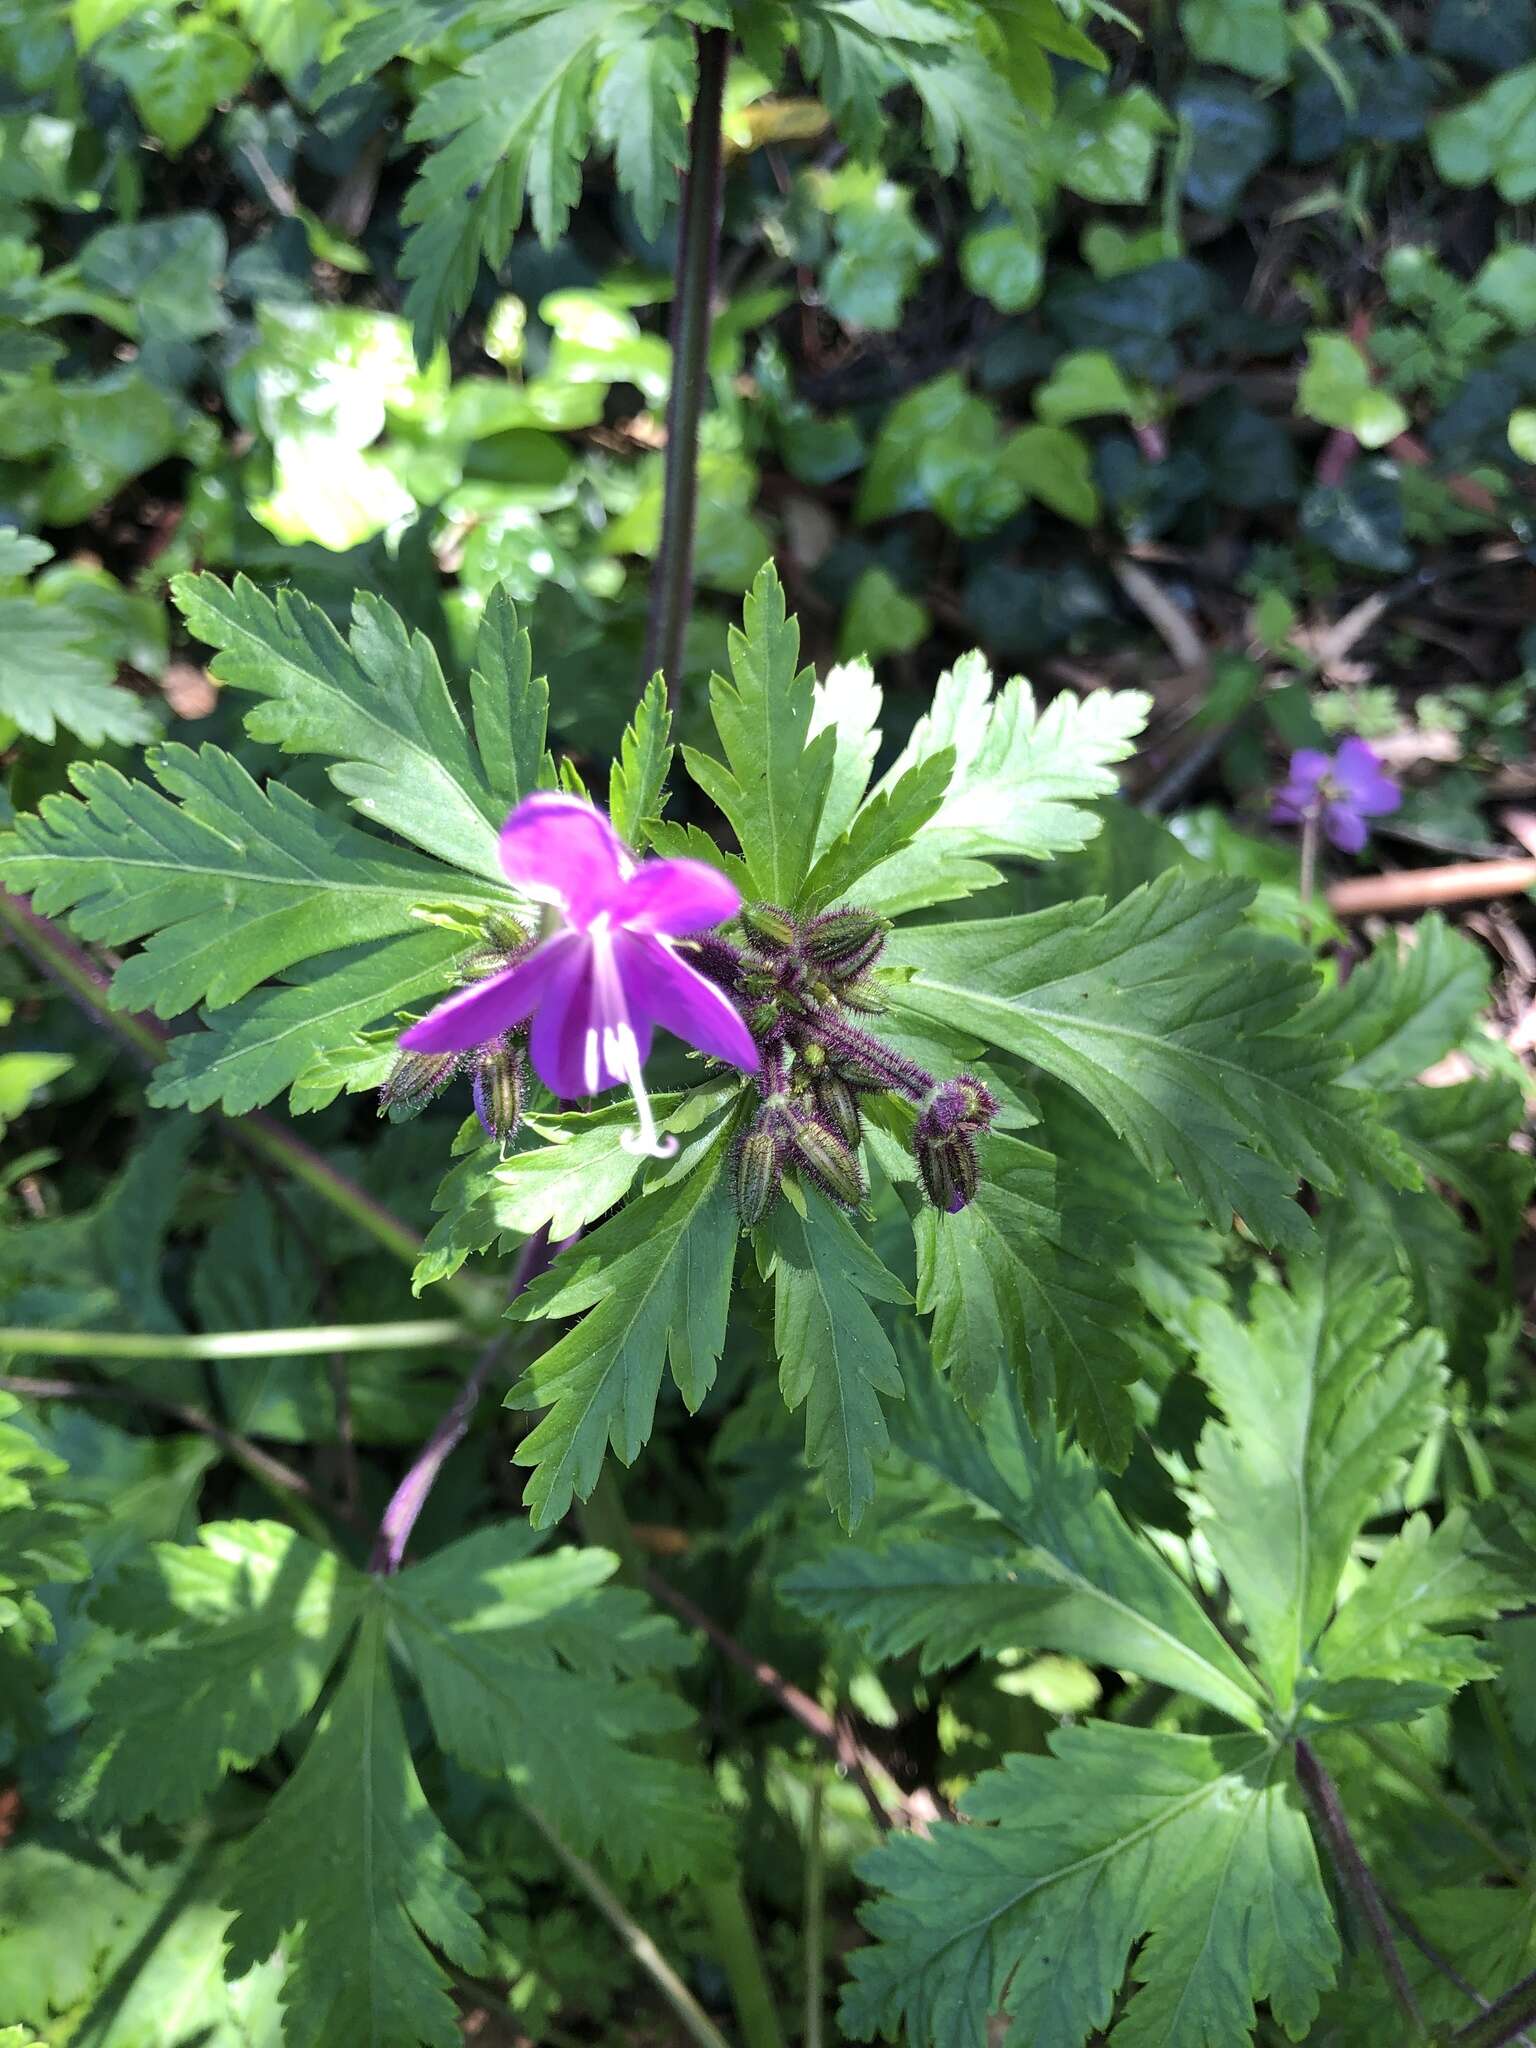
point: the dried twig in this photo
(1418, 888)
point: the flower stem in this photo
(692, 313)
(232, 1344)
(813, 1911)
(1504, 2020)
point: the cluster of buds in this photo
(498, 1070)
(800, 984)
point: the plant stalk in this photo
(814, 1933)
(692, 316)
(232, 1344)
(1506, 2018)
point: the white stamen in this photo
(645, 1139)
(589, 1064)
(620, 1051)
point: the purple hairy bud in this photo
(501, 1080)
(962, 1105)
(862, 1060)
(823, 1158)
(413, 1081)
(837, 1107)
(759, 1174)
(950, 1170)
(716, 959)
(862, 996)
(769, 927)
(845, 942)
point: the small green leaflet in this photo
(1169, 1018)
(1402, 1010)
(1021, 783)
(833, 1352)
(886, 823)
(1008, 1292)
(1322, 1398)
(39, 1531)
(774, 780)
(639, 774)
(1196, 1843)
(378, 703)
(351, 1870)
(652, 1287)
(51, 673)
(232, 883)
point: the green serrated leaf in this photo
(234, 1638)
(52, 672)
(890, 820)
(1406, 1006)
(1172, 1025)
(1322, 1397)
(376, 703)
(1196, 1843)
(350, 1870)
(652, 1287)
(639, 774)
(775, 777)
(833, 1353)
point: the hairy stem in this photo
(692, 313)
(1504, 2020)
(813, 1911)
(1356, 1880)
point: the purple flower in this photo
(598, 986)
(1343, 790)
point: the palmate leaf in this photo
(534, 1670)
(1196, 1843)
(1403, 1009)
(774, 780)
(652, 1288)
(1171, 1021)
(1010, 1290)
(1322, 1397)
(231, 883)
(51, 672)
(1055, 1566)
(352, 1871)
(378, 704)
(1021, 788)
(833, 1353)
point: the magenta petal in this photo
(560, 850)
(676, 897)
(666, 990)
(491, 1007)
(1365, 784)
(575, 1042)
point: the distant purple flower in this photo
(1343, 790)
(596, 988)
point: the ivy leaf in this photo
(1386, 1648)
(231, 883)
(235, 1636)
(1021, 783)
(1196, 1843)
(1159, 1015)
(774, 780)
(1008, 1294)
(377, 702)
(654, 1283)
(535, 1671)
(1405, 1007)
(256, 1048)
(833, 1353)
(1322, 1397)
(639, 774)
(350, 1870)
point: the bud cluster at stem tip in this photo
(799, 983)
(498, 1070)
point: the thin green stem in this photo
(813, 1935)
(229, 1344)
(692, 2016)
(1424, 1783)
(698, 240)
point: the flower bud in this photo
(950, 1171)
(837, 1107)
(758, 1175)
(412, 1082)
(846, 941)
(770, 927)
(813, 1056)
(862, 996)
(763, 1020)
(716, 959)
(500, 1082)
(826, 1160)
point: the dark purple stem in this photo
(692, 315)
(410, 1496)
